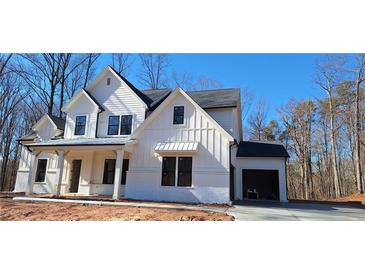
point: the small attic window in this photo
(108, 80)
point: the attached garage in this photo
(260, 171)
(260, 184)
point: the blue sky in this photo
(274, 77)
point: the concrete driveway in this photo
(263, 211)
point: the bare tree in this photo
(153, 70)
(91, 60)
(68, 64)
(188, 82)
(359, 72)
(257, 120)
(121, 62)
(328, 78)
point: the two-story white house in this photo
(161, 145)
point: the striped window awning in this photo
(176, 147)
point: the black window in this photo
(168, 171)
(80, 125)
(41, 170)
(126, 124)
(113, 125)
(184, 171)
(109, 171)
(178, 115)
(124, 171)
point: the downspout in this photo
(286, 178)
(230, 164)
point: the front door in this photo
(75, 176)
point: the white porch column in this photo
(118, 173)
(59, 172)
(32, 172)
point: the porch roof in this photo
(83, 142)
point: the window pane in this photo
(124, 171)
(80, 125)
(113, 125)
(168, 171)
(109, 171)
(178, 115)
(41, 170)
(184, 171)
(126, 124)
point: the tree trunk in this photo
(360, 185)
(333, 150)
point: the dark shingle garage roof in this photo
(261, 149)
(218, 98)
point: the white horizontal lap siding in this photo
(83, 106)
(210, 171)
(117, 99)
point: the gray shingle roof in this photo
(83, 142)
(30, 136)
(218, 98)
(261, 149)
(60, 122)
(157, 96)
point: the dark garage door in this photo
(260, 184)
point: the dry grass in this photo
(11, 210)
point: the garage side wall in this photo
(259, 163)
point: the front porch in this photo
(99, 170)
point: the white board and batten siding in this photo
(117, 99)
(210, 164)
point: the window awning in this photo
(176, 147)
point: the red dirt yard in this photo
(353, 198)
(11, 210)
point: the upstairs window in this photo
(109, 171)
(41, 170)
(113, 126)
(178, 115)
(126, 124)
(108, 81)
(80, 125)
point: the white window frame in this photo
(45, 176)
(184, 120)
(86, 125)
(120, 125)
(107, 127)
